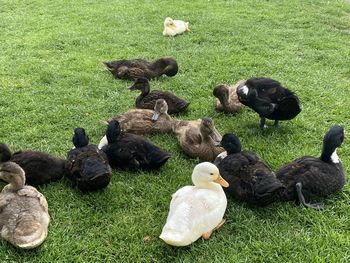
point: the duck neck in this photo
(329, 154)
(206, 185)
(17, 182)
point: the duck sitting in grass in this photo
(250, 179)
(145, 121)
(269, 99)
(131, 151)
(24, 216)
(197, 210)
(90, 170)
(227, 100)
(137, 68)
(310, 177)
(174, 27)
(40, 168)
(198, 139)
(147, 99)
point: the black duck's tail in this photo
(156, 157)
(288, 108)
(268, 190)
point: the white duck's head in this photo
(206, 173)
(168, 21)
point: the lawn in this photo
(52, 80)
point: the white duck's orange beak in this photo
(221, 181)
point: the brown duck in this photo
(145, 121)
(136, 68)
(147, 99)
(24, 216)
(227, 99)
(198, 138)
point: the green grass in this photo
(52, 80)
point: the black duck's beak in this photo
(132, 87)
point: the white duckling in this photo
(24, 216)
(197, 210)
(174, 27)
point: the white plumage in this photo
(174, 27)
(196, 210)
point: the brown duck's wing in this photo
(132, 63)
(31, 192)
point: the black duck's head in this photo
(231, 143)
(5, 153)
(242, 91)
(335, 136)
(159, 108)
(140, 84)
(13, 174)
(331, 141)
(80, 138)
(208, 128)
(113, 131)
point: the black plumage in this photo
(269, 99)
(39, 167)
(307, 177)
(129, 151)
(135, 68)
(90, 170)
(250, 179)
(147, 99)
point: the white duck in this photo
(24, 216)
(197, 210)
(174, 27)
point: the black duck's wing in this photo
(288, 108)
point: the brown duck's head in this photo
(160, 107)
(208, 128)
(13, 174)
(221, 92)
(5, 153)
(140, 84)
(168, 65)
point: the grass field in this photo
(52, 80)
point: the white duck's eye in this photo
(211, 173)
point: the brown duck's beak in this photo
(221, 181)
(155, 116)
(217, 144)
(215, 135)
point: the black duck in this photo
(269, 99)
(130, 151)
(250, 179)
(309, 177)
(90, 170)
(40, 168)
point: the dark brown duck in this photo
(136, 68)
(147, 99)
